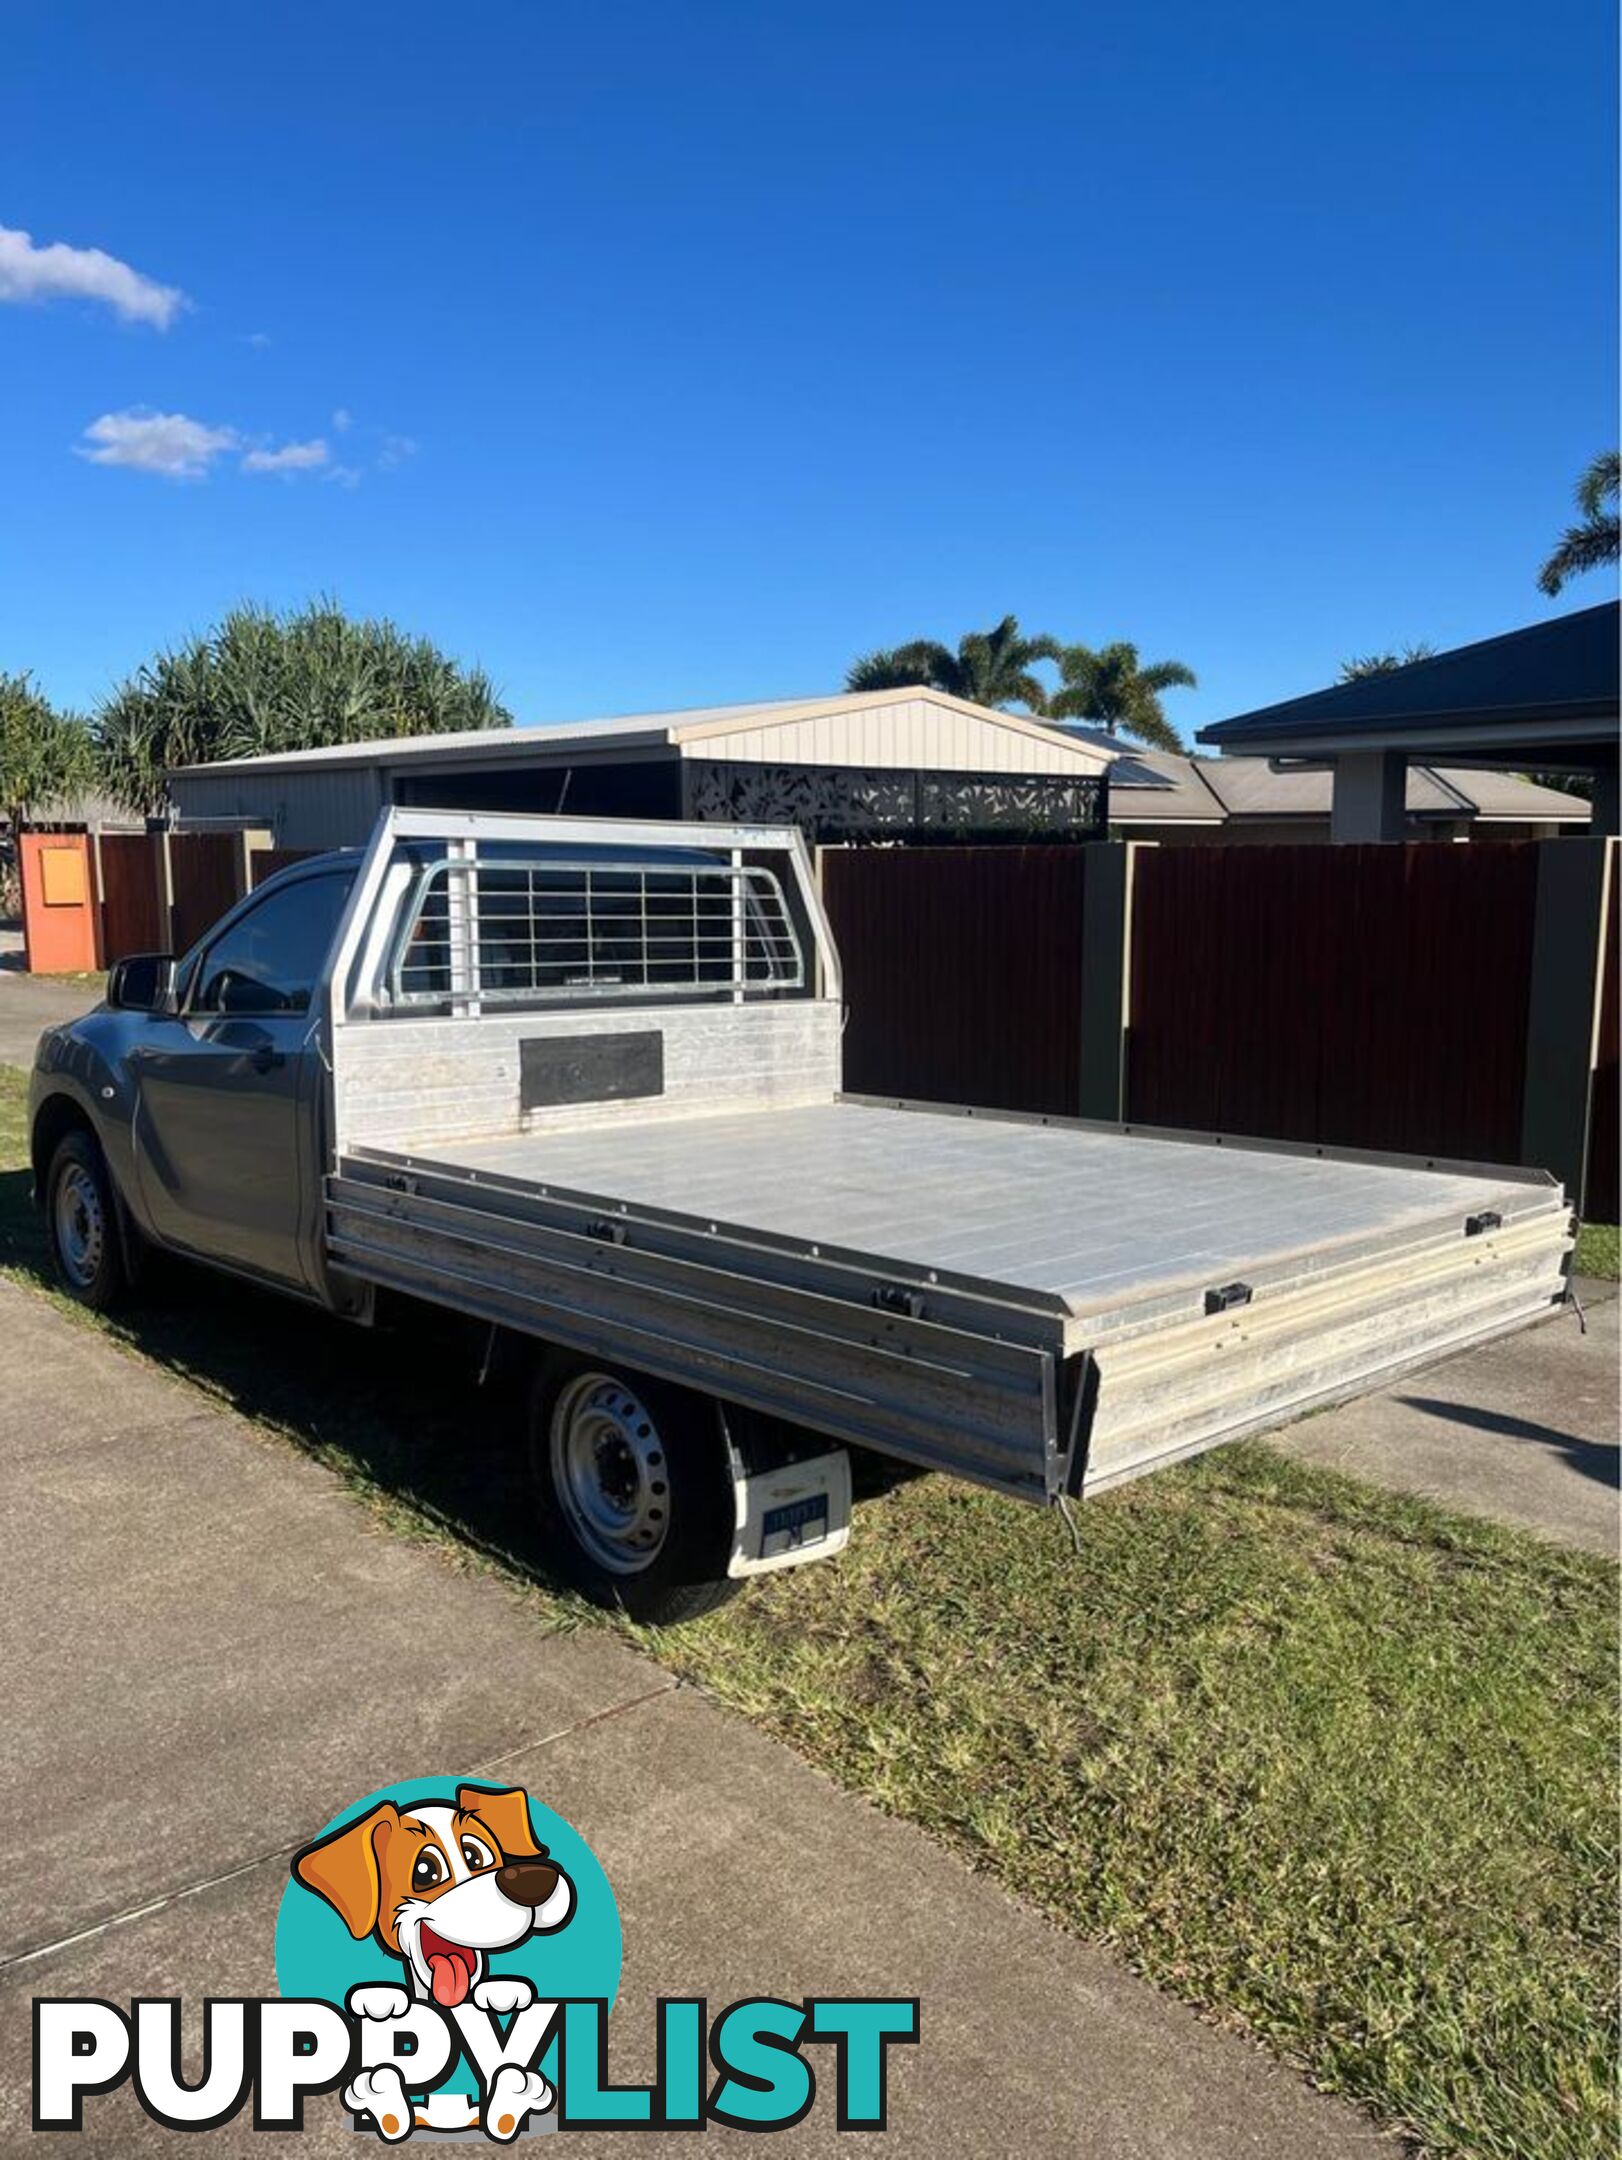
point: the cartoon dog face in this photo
(439, 1886)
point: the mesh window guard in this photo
(491, 929)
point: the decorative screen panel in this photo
(837, 802)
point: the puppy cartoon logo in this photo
(442, 1887)
(447, 1959)
(470, 1912)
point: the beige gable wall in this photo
(909, 732)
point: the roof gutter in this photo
(1251, 733)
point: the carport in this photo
(1539, 700)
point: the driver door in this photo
(227, 1091)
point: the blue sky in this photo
(665, 354)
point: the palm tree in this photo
(1383, 663)
(990, 667)
(1109, 687)
(1593, 543)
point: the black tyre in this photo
(81, 1216)
(635, 1494)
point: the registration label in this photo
(796, 1522)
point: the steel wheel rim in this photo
(81, 1225)
(610, 1473)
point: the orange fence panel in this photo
(59, 911)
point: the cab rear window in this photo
(270, 959)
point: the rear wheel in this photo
(82, 1218)
(635, 1491)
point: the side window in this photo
(269, 959)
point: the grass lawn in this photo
(1597, 1250)
(1333, 1765)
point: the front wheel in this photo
(82, 1217)
(635, 1491)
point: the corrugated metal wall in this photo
(321, 808)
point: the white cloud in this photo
(170, 444)
(396, 449)
(342, 420)
(290, 458)
(180, 448)
(258, 339)
(59, 272)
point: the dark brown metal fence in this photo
(962, 972)
(207, 873)
(1368, 997)
(129, 897)
(265, 862)
(1601, 1199)
(1360, 996)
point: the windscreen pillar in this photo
(1370, 800)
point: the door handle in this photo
(264, 1059)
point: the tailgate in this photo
(1181, 1384)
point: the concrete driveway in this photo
(1525, 1430)
(31, 1003)
(210, 1648)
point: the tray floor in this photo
(1090, 1218)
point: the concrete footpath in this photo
(210, 1649)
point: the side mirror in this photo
(145, 982)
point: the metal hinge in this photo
(1079, 1428)
(1488, 1219)
(1228, 1296)
(892, 1297)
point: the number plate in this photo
(791, 1513)
(799, 1522)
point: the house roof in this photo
(1251, 787)
(1152, 785)
(1507, 795)
(1550, 690)
(1159, 787)
(558, 741)
(1254, 787)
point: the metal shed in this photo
(910, 763)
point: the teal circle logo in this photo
(440, 1886)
